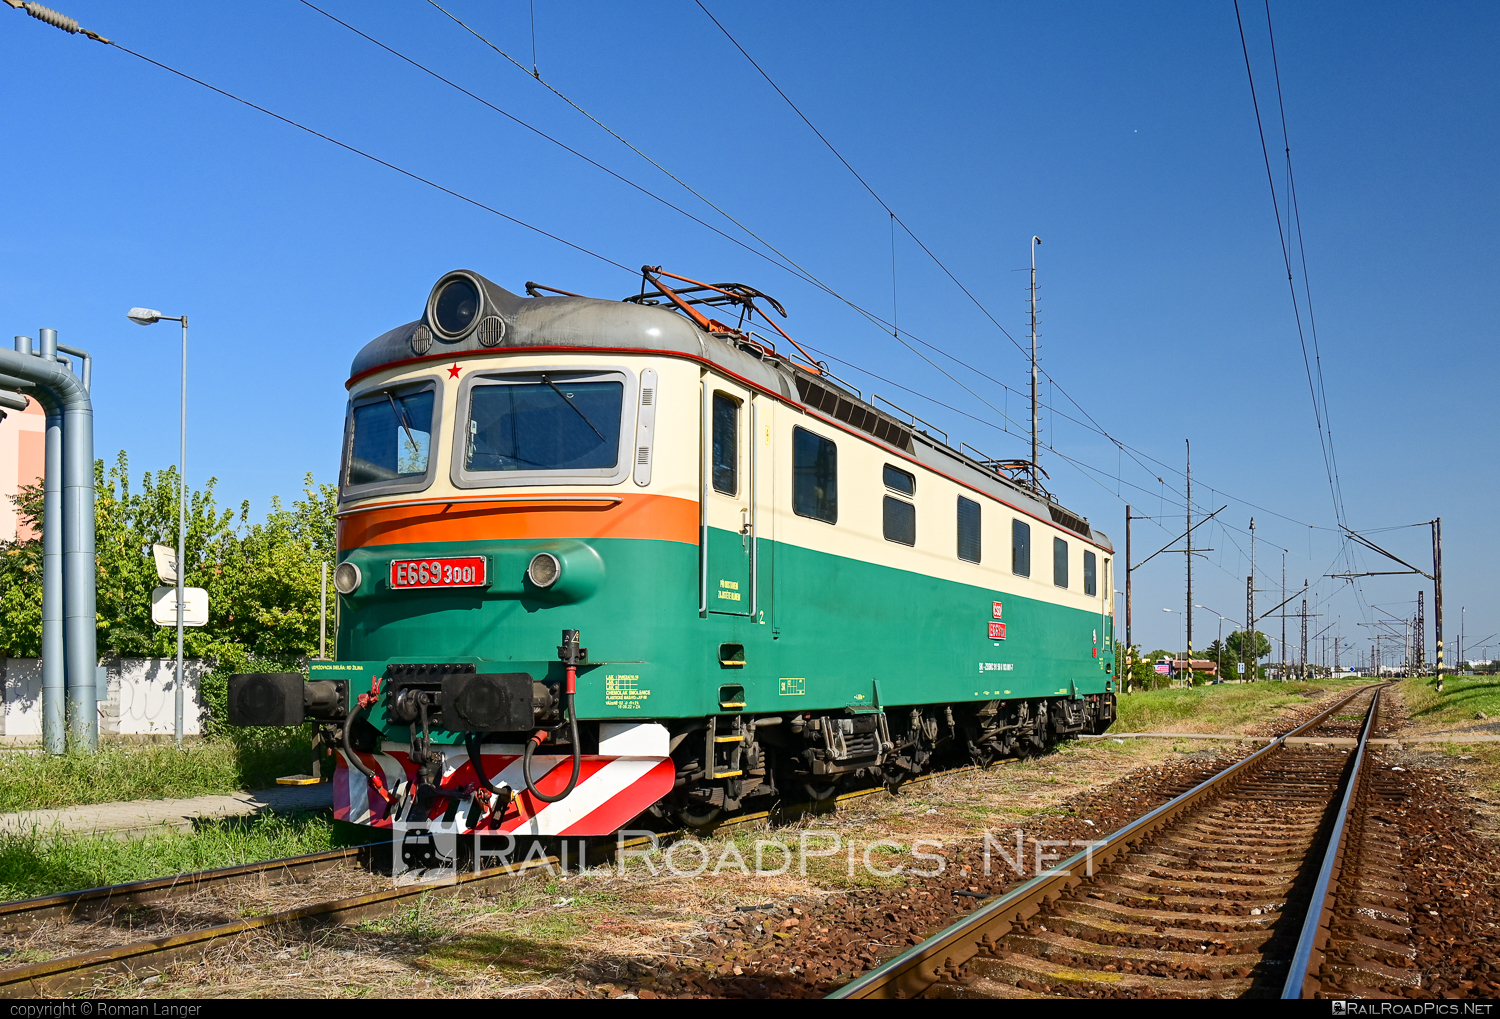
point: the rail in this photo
(1300, 981)
(918, 968)
(26, 913)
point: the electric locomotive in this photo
(604, 557)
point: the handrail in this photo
(914, 419)
(472, 501)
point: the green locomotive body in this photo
(780, 586)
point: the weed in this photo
(40, 863)
(1462, 698)
(34, 780)
(1225, 707)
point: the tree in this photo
(262, 578)
(1248, 651)
(1138, 673)
(1219, 653)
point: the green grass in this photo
(1227, 707)
(32, 780)
(39, 863)
(1462, 698)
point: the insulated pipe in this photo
(75, 526)
(54, 724)
(82, 355)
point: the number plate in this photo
(468, 571)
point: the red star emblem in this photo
(453, 372)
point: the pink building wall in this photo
(22, 460)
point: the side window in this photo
(815, 476)
(900, 518)
(1020, 548)
(1059, 562)
(898, 480)
(1090, 574)
(726, 444)
(968, 529)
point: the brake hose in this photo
(349, 753)
(570, 654)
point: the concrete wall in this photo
(141, 699)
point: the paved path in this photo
(136, 817)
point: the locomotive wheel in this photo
(699, 815)
(823, 792)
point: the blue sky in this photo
(1123, 135)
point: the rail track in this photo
(1269, 879)
(141, 901)
(148, 955)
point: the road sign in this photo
(166, 564)
(1242, 666)
(194, 607)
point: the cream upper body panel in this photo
(859, 531)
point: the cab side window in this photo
(726, 444)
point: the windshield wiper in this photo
(570, 403)
(401, 416)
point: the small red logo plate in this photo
(997, 630)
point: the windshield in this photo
(551, 424)
(392, 437)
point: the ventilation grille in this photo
(421, 340)
(854, 414)
(1068, 520)
(645, 428)
(491, 331)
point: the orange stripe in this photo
(657, 517)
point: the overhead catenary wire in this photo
(901, 335)
(334, 141)
(1286, 255)
(875, 319)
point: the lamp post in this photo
(146, 317)
(1189, 653)
(1221, 636)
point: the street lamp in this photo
(1174, 654)
(1221, 636)
(146, 317)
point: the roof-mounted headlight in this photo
(455, 305)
